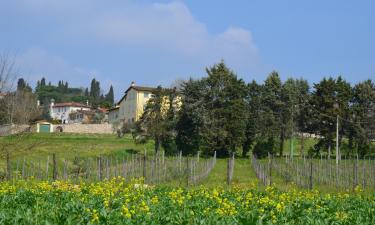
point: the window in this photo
(146, 94)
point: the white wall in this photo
(62, 113)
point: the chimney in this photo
(51, 107)
(87, 102)
(132, 84)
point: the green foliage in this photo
(23, 86)
(158, 120)
(120, 202)
(189, 126)
(110, 96)
(216, 104)
(63, 93)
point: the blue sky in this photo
(158, 42)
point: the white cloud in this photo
(36, 63)
(169, 27)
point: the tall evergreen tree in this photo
(253, 100)
(66, 87)
(324, 99)
(221, 110)
(43, 82)
(110, 96)
(21, 84)
(191, 116)
(363, 118)
(95, 90)
(271, 112)
(87, 92)
(151, 124)
(303, 111)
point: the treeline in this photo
(222, 113)
(20, 106)
(63, 93)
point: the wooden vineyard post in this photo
(107, 171)
(88, 169)
(100, 172)
(123, 168)
(355, 173)
(311, 174)
(65, 170)
(364, 173)
(54, 168)
(47, 165)
(230, 167)
(180, 161)
(269, 169)
(187, 171)
(144, 167)
(9, 172)
(24, 168)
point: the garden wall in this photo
(85, 128)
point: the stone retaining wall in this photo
(85, 128)
(8, 129)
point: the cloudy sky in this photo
(158, 42)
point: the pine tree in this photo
(363, 122)
(219, 109)
(272, 109)
(151, 123)
(189, 125)
(253, 100)
(323, 101)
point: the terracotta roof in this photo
(72, 104)
(137, 88)
(103, 110)
(3, 94)
(114, 108)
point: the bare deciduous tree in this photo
(7, 73)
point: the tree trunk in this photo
(302, 144)
(157, 144)
(281, 149)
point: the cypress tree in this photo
(43, 82)
(110, 96)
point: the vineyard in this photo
(312, 173)
(141, 187)
(153, 169)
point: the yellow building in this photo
(132, 104)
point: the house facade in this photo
(132, 104)
(113, 115)
(3, 95)
(61, 111)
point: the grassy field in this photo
(128, 201)
(39, 146)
